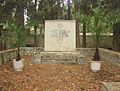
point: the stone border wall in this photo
(105, 54)
(31, 50)
(7, 55)
(37, 50)
(110, 56)
(88, 52)
(11, 53)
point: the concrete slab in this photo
(110, 86)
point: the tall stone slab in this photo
(60, 35)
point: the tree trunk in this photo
(18, 54)
(35, 27)
(20, 15)
(77, 35)
(69, 14)
(1, 46)
(41, 38)
(116, 4)
(84, 34)
(20, 23)
(97, 40)
(116, 37)
(96, 56)
(84, 4)
(58, 9)
(4, 45)
(76, 7)
(35, 36)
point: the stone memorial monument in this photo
(60, 43)
(60, 35)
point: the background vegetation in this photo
(39, 10)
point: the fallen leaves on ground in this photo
(56, 77)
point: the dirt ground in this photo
(56, 77)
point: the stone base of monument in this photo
(110, 86)
(59, 57)
(36, 59)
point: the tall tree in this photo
(20, 14)
(116, 28)
(112, 6)
(116, 37)
(69, 10)
(84, 9)
(1, 48)
(59, 9)
(76, 8)
(1, 38)
(6, 9)
(32, 13)
(35, 26)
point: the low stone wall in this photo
(110, 56)
(105, 54)
(31, 50)
(88, 52)
(7, 55)
(11, 53)
(37, 50)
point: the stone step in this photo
(46, 57)
(58, 62)
(65, 61)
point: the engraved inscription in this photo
(60, 32)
